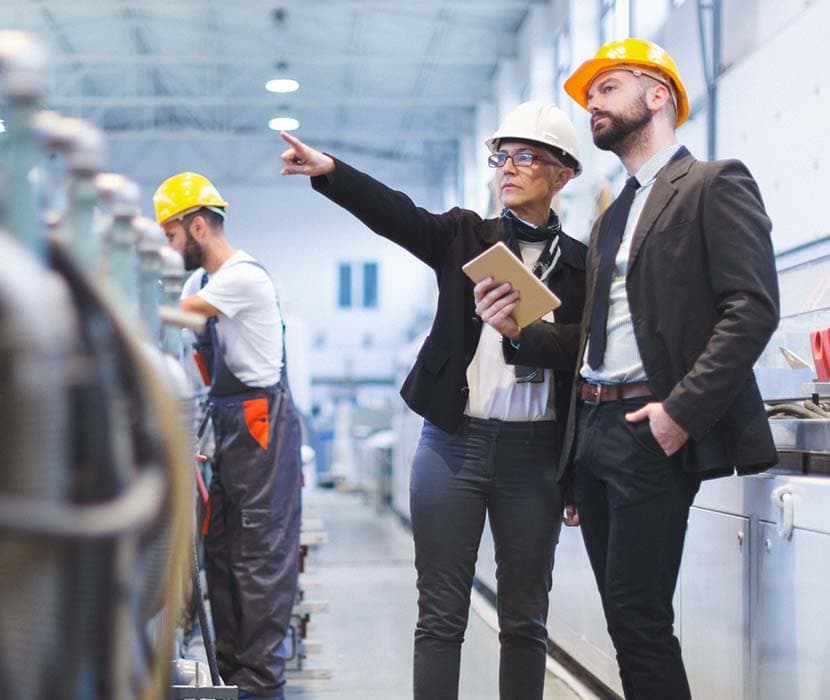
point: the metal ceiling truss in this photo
(391, 81)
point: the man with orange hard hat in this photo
(253, 537)
(682, 298)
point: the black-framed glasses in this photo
(522, 159)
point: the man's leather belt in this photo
(600, 393)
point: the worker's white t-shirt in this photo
(249, 325)
(494, 391)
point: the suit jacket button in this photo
(465, 390)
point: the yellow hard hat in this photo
(630, 53)
(183, 193)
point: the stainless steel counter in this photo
(801, 435)
(803, 446)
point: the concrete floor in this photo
(367, 575)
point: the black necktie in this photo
(609, 243)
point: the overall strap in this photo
(283, 368)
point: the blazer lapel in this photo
(590, 279)
(662, 192)
(493, 234)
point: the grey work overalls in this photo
(253, 538)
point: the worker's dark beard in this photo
(624, 129)
(192, 254)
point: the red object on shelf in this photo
(820, 343)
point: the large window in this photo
(370, 285)
(344, 285)
(358, 285)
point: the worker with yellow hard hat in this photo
(252, 540)
(178, 197)
(183, 193)
(682, 300)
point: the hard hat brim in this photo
(580, 80)
(564, 158)
(220, 209)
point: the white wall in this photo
(772, 114)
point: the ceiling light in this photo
(2, 126)
(282, 85)
(283, 124)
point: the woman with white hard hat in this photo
(493, 403)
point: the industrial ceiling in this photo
(174, 82)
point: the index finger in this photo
(293, 140)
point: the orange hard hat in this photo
(631, 54)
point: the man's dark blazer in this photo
(703, 293)
(436, 387)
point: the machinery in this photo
(96, 467)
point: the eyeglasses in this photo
(523, 159)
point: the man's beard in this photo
(623, 129)
(192, 254)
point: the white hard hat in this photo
(543, 123)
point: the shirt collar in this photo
(646, 174)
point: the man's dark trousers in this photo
(633, 505)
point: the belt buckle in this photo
(596, 389)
